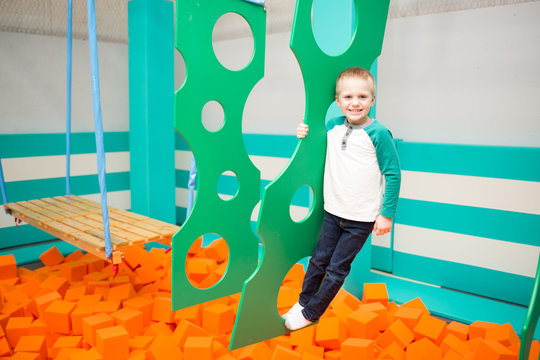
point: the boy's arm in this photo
(388, 160)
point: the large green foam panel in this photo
(216, 152)
(286, 241)
(531, 320)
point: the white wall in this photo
(468, 77)
(33, 85)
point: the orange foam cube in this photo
(452, 342)
(409, 315)
(107, 306)
(363, 324)
(283, 353)
(218, 319)
(431, 328)
(51, 257)
(345, 297)
(397, 333)
(38, 305)
(23, 355)
(358, 349)
(130, 319)
(16, 328)
(460, 330)
(92, 323)
(330, 333)
(423, 349)
(140, 342)
(121, 292)
(493, 350)
(57, 316)
(72, 342)
(162, 310)
(416, 304)
(332, 355)
(74, 270)
(341, 310)
(392, 352)
(164, 347)
(383, 320)
(33, 344)
(198, 348)
(196, 269)
(452, 355)
(74, 294)
(77, 316)
(144, 305)
(478, 329)
(302, 337)
(113, 342)
(157, 328)
(74, 256)
(37, 327)
(192, 314)
(256, 351)
(375, 292)
(5, 349)
(31, 287)
(8, 267)
(56, 283)
(504, 334)
(185, 329)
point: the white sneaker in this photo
(296, 320)
(296, 307)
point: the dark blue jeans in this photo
(340, 241)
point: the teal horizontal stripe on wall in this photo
(80, 185)
(475, 280)
(30, 254)
(505, 162)
(258, 144)
(180, 215)
(182, 178)
(503, 225)
(22, 235)
(25, 145)
(381, 258)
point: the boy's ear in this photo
(337, 100)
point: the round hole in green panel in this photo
(227, 185)
(207, 260)
(179, 70)
(332, 32)
(213, 117)
(232, 40)
(301, 203)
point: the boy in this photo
(360, 152)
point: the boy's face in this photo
(355, 98)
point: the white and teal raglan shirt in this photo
(362, 176)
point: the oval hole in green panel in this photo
(331, 29)
(301, 203)
(207, 260)
(179, 70)
(213, 117)
(291, 286)
(232, 40)
(227, 185)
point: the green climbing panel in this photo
(216, 151)
(286, 241)
(529, 325)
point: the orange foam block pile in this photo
(74, 308)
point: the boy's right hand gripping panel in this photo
(286, 241)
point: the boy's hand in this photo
(302, 130)
(382, 225)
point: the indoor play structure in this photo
(464, 293)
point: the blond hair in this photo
(356, 72)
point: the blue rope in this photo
(258, 2)
(191, 184)
(68, 101)
(98, 123)
(3, 187)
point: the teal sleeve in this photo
(388, 160)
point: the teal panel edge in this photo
(26, 145)
(151, 94)
(22, 235)
(460, 219)
(504, 162)
(494, 284)
(80, 185)
(30, 254)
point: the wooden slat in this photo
(76, 224)
(131, 237)
(162, 224)
(119, 217)
(72, 210)
(115, 240)
(16, 207)
(150, 227)
(89, 239)
(58, 226)
(128, 213)
(40, 203)
(50, 214)
(27, 205)
(92, 223)
(137, 230)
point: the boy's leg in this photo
(350, 243)
(320, 258)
